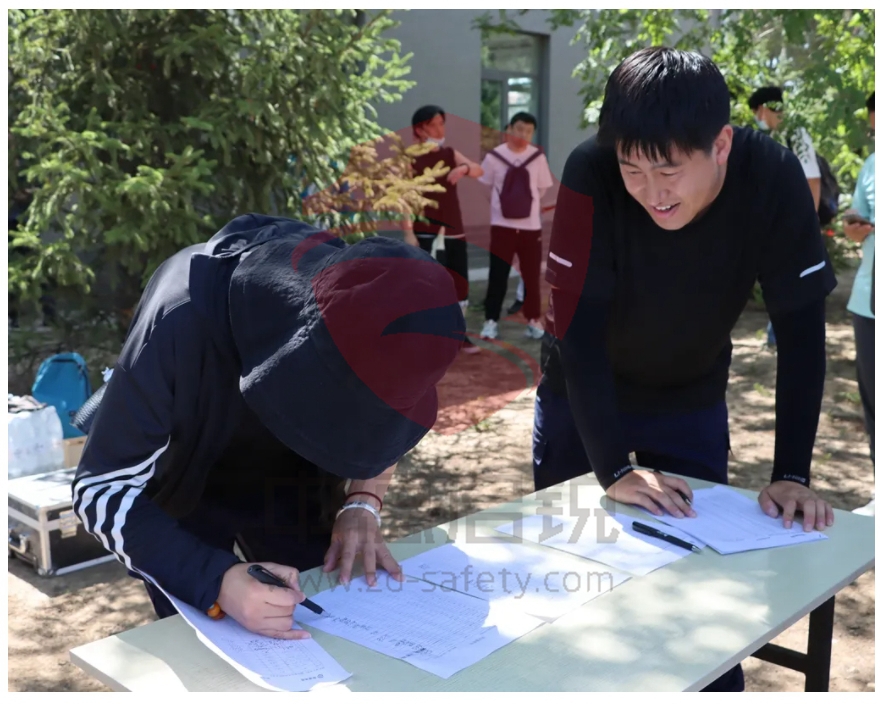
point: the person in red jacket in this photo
(442, 233)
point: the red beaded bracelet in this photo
(364, 492)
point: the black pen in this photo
(261, 574)
(653, 532)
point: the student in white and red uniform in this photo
(515, 236)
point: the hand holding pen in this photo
(261, 574)
(653, 491)
(261, 607)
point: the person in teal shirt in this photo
(861, 301)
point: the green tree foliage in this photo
(138, 132)
(824, 60)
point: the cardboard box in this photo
(73, 449)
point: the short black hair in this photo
(870, 104)
(659, 98)
(523, 117)
(424, 114)
(767, 94)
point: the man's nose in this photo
(656, 193)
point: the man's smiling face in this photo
(675, 190)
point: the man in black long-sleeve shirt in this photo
(664, 221)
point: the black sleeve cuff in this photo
(207, 593)
(803, 480)
(616, 475)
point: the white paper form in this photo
(526, 578)
(607, 539)
(430, 627)
(279, 665)
(729, 523)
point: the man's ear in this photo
(723, 143)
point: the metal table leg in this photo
(816, 663)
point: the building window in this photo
(511, 67)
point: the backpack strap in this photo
(523, 164)
(501, 158)
(532, 157)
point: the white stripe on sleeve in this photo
(560, 260)
(113, 483)
(810, 270)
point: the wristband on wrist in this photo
(358, 505)
(365, 492)
(215, 611)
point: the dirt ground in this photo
(478, 456)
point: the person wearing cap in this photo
(262, 371)
(768, 105)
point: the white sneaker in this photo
(534, 330)
(865, 510)
(469, 347)
(490, 330)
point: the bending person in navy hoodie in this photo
(262, 371)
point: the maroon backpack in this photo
(516, 198)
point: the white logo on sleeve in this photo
(810, 270)
(561, 260)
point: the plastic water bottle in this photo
(21, 444)
(49, 440)
(36, 442)
(31, 444)
(54, 436)
(13, 426)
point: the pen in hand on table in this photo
(679, 492)
(653, 532)
(261, 574)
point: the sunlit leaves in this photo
(140, 131)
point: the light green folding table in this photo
(676, 629)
